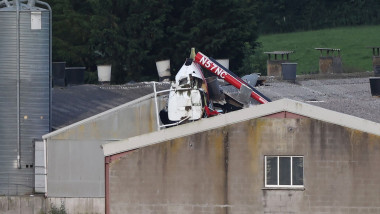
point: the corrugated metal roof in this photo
(347, 95)
(76, 103)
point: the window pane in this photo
(297, 171)
(284, 170)
(271, 170)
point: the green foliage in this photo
(57, 210)
(107, 44)
(254, 61)
(218, 28)
(279, 16)
(70, 31)
(90, 77)
(125, 34)
(351, 40)
(133, 34)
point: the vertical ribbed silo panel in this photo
(34, 97)
(8, 101)
(34, 89)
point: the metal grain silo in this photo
(25, 92)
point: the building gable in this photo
(273, 109)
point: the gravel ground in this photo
(347, 95)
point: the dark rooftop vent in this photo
(59, 74)
(75, 75)
(289, 72)
(375, 85)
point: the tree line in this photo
(133, 34)
(291, 15)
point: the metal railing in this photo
(159, 126)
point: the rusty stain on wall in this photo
(274, 67)
(253, 140)
(330, 64)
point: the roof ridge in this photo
(258, 111)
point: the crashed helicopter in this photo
(192, 96)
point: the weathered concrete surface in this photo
(330, 64)
(376, 60)
(22, 204)
(274, 67)
(77, 205)
(39, 205)
(166, 178)
(222, 171)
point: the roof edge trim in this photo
(258, 111)
(133, 102)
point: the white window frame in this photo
(278, 171)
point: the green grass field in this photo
(353, 42)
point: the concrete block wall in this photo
(222, 171)
(330, 64)
(77, 205)
(274, 67)
(166, 178)
(376, 65)
(38, 204)
(22, 204)
(376, 60)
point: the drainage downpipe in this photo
(50, 58)
(18, 84)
